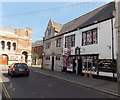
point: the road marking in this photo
(6, 92)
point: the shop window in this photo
(89, 37)
(3, 44)
(57, 57)
(58, 42)
(89, 63)
(8, 45)
(14, 46)
(70, 41)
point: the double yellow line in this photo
(5, 91)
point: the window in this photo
(57, 57)
(48, 45)
(22, 65)
(3, 44)
(8, 45)
(14, 46)
(26, 33)
(70, 41)
(49, 31)
(47, 58)
(95, 36)
(89, 63)
(89, 37)
(58, 42)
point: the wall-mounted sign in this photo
(107, 65)
(77, 51)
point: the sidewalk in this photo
(96, 84)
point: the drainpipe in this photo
(112, 46)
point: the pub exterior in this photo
(92, 45)
(88, 44)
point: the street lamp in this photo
(42, 60)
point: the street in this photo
(42, 86)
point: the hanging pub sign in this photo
(77, 51)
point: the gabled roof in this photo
(57, 26)
(98, 14)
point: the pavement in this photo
(110, 87)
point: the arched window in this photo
(14, 46)
(8, 45)
(26, 32)
(3, 44)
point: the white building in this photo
(89, 43)
(94, 38)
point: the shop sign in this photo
(106, 65)
(77, 51)
(68, 52)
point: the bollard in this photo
(85, 75)
(90, 75)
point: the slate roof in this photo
(37, 43)
(102, 13)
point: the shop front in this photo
(73, 64)
(90, 64)
(81, 64)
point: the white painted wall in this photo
(104, 40)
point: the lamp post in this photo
(42, 60)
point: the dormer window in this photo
(49, 31)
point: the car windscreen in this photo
(21, 65)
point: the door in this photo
(4, 59)
(74, 66)
(79, 66)
(52, 68)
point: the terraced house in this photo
(53, 47)
(89, 43)
(15, 45)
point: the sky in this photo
(36, 15)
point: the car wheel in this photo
(27, 74)
(8, 72)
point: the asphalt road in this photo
(42, 86)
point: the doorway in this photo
(74, 66)
(52, 68)
(4, 59)
(79, 66)
(24, 56)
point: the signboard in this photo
(106, 65)
(77, 51)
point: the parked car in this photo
(18, 69)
